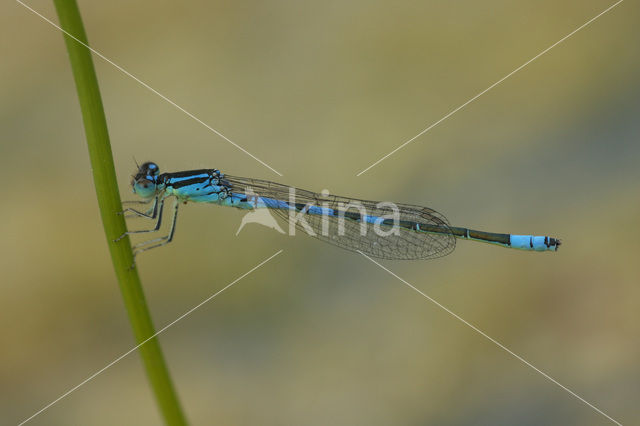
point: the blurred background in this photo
(319, 91)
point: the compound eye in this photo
(144, 183)
(150, 168)
(144, 187)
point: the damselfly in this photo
(378, 229)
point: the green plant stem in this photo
(104, 177)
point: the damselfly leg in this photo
(149, 214)
(157, 213)
(157, 242)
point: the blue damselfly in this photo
(379, 229)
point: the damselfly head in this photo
(144, 182)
